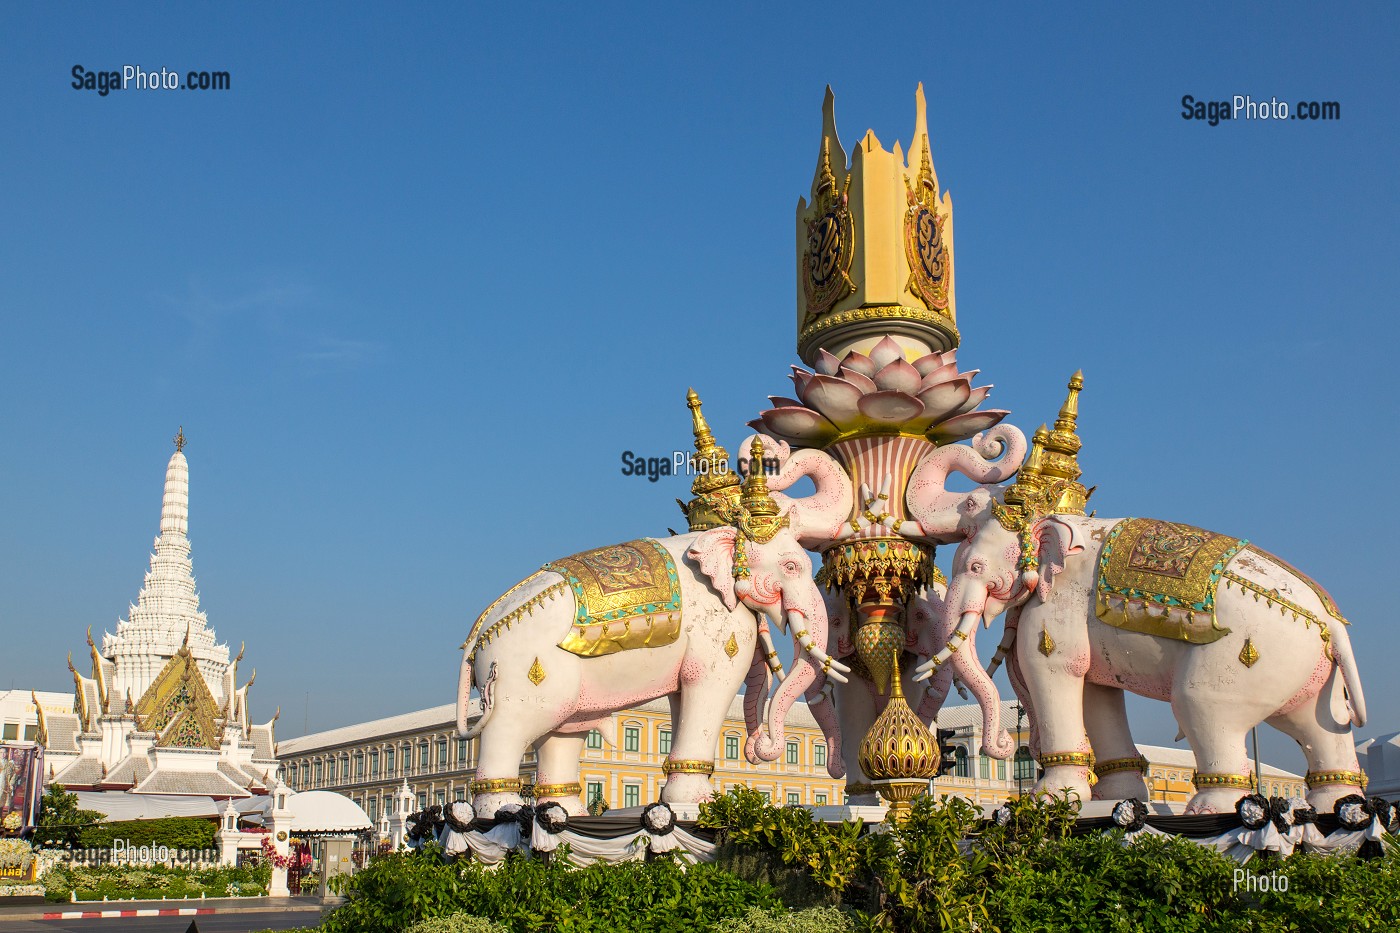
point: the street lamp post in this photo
(1016, 759)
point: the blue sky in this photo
(415, 281)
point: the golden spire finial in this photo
(180, 439)
(715, 484)
(1061, 453)
(757, 501)
(1069, 411)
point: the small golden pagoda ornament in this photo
(899, 754)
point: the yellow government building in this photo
(622, 763)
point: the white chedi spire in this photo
(167, 611)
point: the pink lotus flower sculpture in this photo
(879, 394)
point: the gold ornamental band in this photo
(1075, 759)
(1241, 781)
(1113, 765)
(496, 786)
(687, 766)
(1319, 778)
(558, 790)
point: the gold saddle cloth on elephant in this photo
(627, 596)
(1160, 578)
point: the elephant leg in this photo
(1056, 692)
(503, 745)
(697, 721)
(855, 709)
(1217, 736)
(1106, 721)
(1326, 741)
(559, 754)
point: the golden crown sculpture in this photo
(874, 245)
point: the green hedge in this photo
(124, 882)
(398, 890)
(175, 832)
(781, 870)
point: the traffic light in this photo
(947, 761)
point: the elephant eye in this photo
(977, 566)
(790, 566)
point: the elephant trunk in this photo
(756, 684)
(819, 518)
(996, 742)
(930, 502)
(824, 712)
(803, 674)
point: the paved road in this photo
(210, 923)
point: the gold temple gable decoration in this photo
(826, 261)
(627, 596)
(178, 706)
(1048, 482)
(1159, 578)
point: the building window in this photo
(631, 740)
(595, 739)
(10, 732)
(442, 751)
(1024, 766)
(792, 753)
(1001, 769)
(731, 747)
(459, 794)
(389, 761)
(374, 764)
(767, 797)
(663, 741)
(30, 733)
(423, 755)
(820, 799)
(794, 799)
(422, 800)
(631, 795)
(595, 792)
(819, 755)
(319, 773)
(359, 767)
(960, 757)
(984, 767)
(440, 797)
(372, 809)
(461, 751)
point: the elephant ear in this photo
(1058, 540)
(714, 552)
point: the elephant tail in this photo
(1346, 661)
(465, 727)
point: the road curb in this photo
(100, 910)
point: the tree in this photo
(60, 819)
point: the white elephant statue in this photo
(685, 617)
(1229, 634)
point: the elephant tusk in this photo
(829, 665)
(1003, 649)
(966, 624)
(771, 652)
